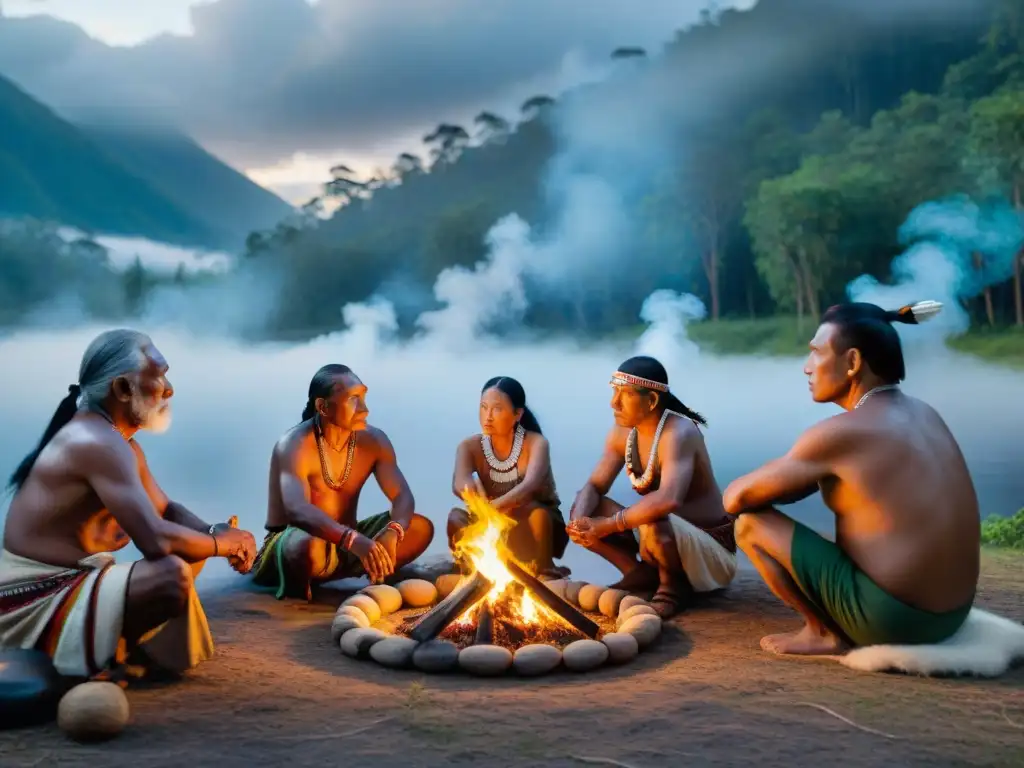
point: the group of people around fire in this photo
(903, 566)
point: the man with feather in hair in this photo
(903, 568)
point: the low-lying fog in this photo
(233, 400)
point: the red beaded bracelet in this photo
(397, 528)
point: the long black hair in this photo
(514, 391)
(648, 368)
(321, 385)
(868, 328)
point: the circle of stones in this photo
(353, 630)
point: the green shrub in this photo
(1007, 532)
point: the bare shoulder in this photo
(681, 431)
(535, 441)
(377, 438)
(89, 442)
(829, 437)
(290, 445)
(921, 408)
(615, 440)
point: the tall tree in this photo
(446, 143)
(997, 142)
(344, 186)
(491, 128)
(135, 285)
(535, 106)
(407, 164)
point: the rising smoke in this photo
(944, 239)
(615, 138)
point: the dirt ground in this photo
(279, 693)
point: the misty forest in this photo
(765, 198)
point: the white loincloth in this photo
(708, 565)
(88, 638)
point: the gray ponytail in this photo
(111, 354)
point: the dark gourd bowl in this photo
(30, 689)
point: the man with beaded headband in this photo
(903, 568)
(317, 471)
(679, 527)
(84, 492)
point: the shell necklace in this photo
(643, 482)
(506, 471)
(871, 392)
(324, 469)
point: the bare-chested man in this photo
(904, 566)
(85, 492)
(684, 538)
(317, 471)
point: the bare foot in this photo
(805, 642)
(643, 580)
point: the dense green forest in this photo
(787, 145)
(133, 181)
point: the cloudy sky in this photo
(283, 89)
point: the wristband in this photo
(216, 546)
(348, 538)
(397, 528)
(620, 521)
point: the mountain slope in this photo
(193, 179)
(50, 169)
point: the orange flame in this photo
(483, 544)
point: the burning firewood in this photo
(461, 599)
(484, 624)
(556, 604)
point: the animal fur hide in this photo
(985, 646)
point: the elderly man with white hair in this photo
(84, 492)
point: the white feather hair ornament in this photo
(925, 310)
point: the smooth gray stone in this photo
(394, 652)
(622, 647)
(536, 659)
(436, 656)
(584, 655)
(356, 643)
(644, 627)
(485, 660)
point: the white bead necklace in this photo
(506, 471)
(643, 482)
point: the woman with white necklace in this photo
(510, 457)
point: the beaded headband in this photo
(620, 379)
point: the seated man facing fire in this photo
(84, 493)
(904, 565)
(317, 470)
(679, 528)
(520, 485)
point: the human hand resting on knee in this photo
(374, 557)
(389, 540)
(239, 547)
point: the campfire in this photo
(499, 616)
(500, 602)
